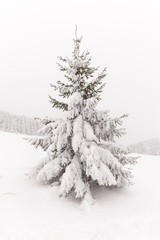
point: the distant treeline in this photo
(149, 147)
(18, 124)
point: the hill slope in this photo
(29, 211)
(150, 147)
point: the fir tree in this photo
(80, 147)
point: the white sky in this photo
(123, 35)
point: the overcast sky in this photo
(123, 35)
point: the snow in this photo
(29, 211)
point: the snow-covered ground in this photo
(32, 212)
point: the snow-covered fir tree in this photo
(81, 148)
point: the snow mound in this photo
(29, 211)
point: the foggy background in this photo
(122, 35)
